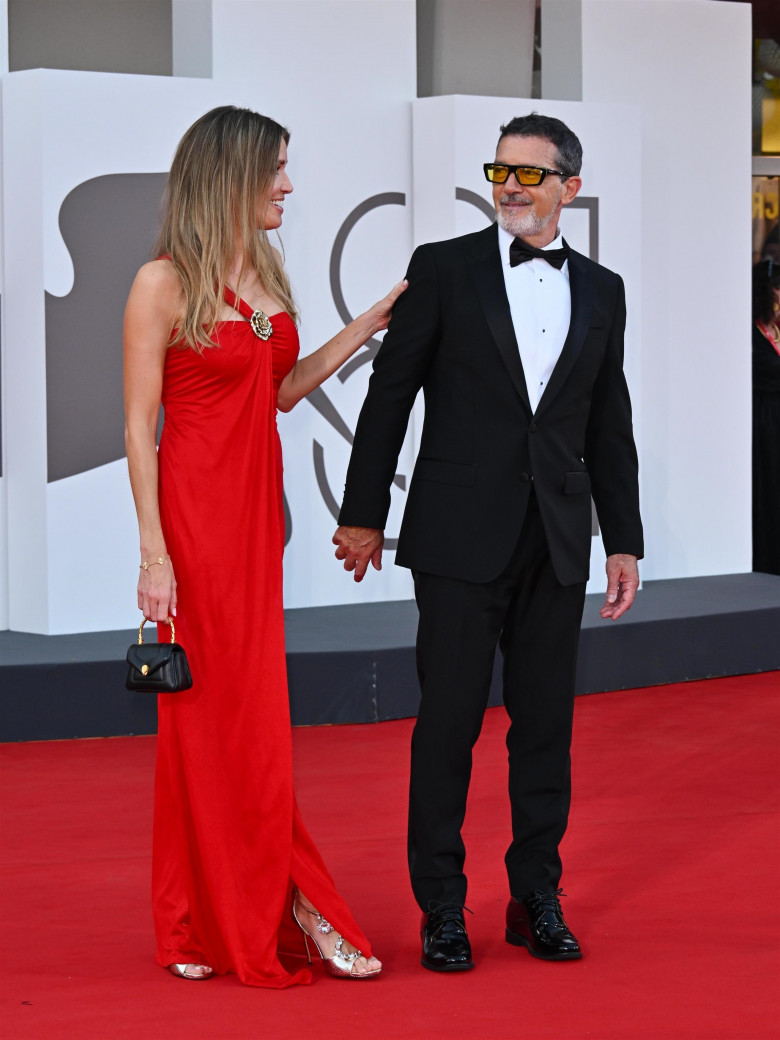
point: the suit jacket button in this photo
(524, 477)
(532, 427)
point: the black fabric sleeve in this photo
(610, 452)
(399, 371)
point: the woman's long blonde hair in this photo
(224, 165)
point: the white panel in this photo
(3, 554)
(454, 136)
(561, 31)
(476, 47)
(191, 32)
(3, 464)
(687, 64)
(93, 551)
(24, 352)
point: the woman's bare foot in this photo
(338, 954)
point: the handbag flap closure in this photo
(153, 655)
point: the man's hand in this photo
(356, 546)
(622, 583)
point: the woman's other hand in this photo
(379, 314)
(314, 369)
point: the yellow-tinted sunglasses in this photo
(528, 176)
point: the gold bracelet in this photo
(146, 564)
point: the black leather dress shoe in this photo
(445, 945)
(537, 923)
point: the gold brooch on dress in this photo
(261, 324)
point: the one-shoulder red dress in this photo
(229, 845)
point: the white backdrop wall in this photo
(686, 65)
(3, 466)
(673, 219)
(3, 481)
(73, 543)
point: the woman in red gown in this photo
(210, 332)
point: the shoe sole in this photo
(520, 940)
(447, 967)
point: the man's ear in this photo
(571, 189)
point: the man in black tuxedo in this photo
(517, 343)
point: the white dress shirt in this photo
(540, 302)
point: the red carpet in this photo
(671, 874)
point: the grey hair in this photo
(567, 144)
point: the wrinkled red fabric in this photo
(229, 844)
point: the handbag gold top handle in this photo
(168, 621)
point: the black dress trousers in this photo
(536, 621)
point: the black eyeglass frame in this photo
(513, 170)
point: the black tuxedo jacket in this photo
(451, 334)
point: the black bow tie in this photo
(520, 251)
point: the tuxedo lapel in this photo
(580, 285)
(485, 263)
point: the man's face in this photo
(529, 212)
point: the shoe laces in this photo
(540, 902)
(447, 913)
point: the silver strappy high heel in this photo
(341, 963)
(181, 972)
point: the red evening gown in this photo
(229, 844)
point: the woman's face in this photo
(270, 212)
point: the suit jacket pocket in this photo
(577, 483)
(443, 472)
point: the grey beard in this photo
(526, 225)
(522, 225)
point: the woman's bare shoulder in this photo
(158, 285)
(158, 276)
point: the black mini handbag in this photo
(157, 667)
